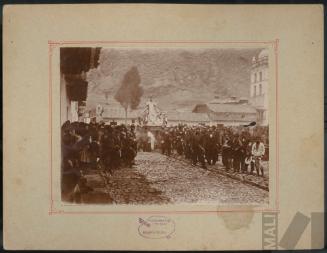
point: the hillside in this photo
(175, 78)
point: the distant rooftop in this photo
(119, 113)
(231, 108)
(187, 116)
(228, 100)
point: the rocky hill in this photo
(175, 78)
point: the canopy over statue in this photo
(152, 116)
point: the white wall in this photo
(64, 102)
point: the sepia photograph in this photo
(164, 125)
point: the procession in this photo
(153, 135)
(112, 147)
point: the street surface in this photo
(158, 179)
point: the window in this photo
(255, 91)
(260, 76)
(260, 89)
(259, 116)
(255, 77)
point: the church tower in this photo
(259, 86)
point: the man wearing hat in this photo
(197, 148)
(258, 151)
(237, 153)
(167, 141)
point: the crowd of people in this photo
(240, 149)
(92, 146)
(97, 145)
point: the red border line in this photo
(51, 44)
(157, 42)
(50, 125)
(165, 212)
(277, 125)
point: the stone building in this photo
(228, 114)
(259, 86)
(117, 115)
(111, 114)
(187, 118)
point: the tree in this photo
(130, 92)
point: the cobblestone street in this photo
(158, 179)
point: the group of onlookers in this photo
(94, 146)
(97, 145)
(240, 149)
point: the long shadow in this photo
(123, 186)
(128, 186)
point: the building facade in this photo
(74, 63)
(259, 86)
(111, 114)
(117, 115)
(175, 118)
(233, 114)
